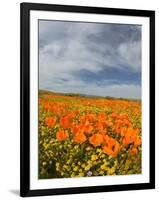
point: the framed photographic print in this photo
(87, 99)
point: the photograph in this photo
(89, 99)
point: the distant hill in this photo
(87, 96)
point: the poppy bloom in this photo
(116, 149)
(114, 115)
(82, 119)
(137, 142)
(130, 135)
(47, 107)
(50, 121)
(101, 117)
(133, 151)
(90, 117)
(80, 137)
(127, 123)
(107, 123)
(65, 122)
(112, 149)
(61, 135)
(96, 139)
(88, 129)
(78, 128)
(105, 139)
(117, 127)
(107, 151)
(75, 129)
(126, 141)
(71, 115)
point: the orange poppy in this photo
(107, 151)
(126, 123)
(101, 117)
(90, 117)
(82, 119)
(114, 115)
(116, 149)
(130, 136)
(47, 107)
(117, 129)
(137, 142)
(50, 121)
(112, 149)
(61, 135)
(105, 139)
(133, 151)
(65, 122)
(80, 137)
(75, 129)
(107, 123)
(96, 139)
(126, 141)
(88, 129)
(71, 115)
(99, 126)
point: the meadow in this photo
(83, 136)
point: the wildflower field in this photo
(83, 136)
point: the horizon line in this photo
(89, 95)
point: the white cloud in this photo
(130, 54)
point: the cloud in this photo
(76, 57)
(130, 54)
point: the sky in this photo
(90, 58)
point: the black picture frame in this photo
(25, 9)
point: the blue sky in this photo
(90, 58)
